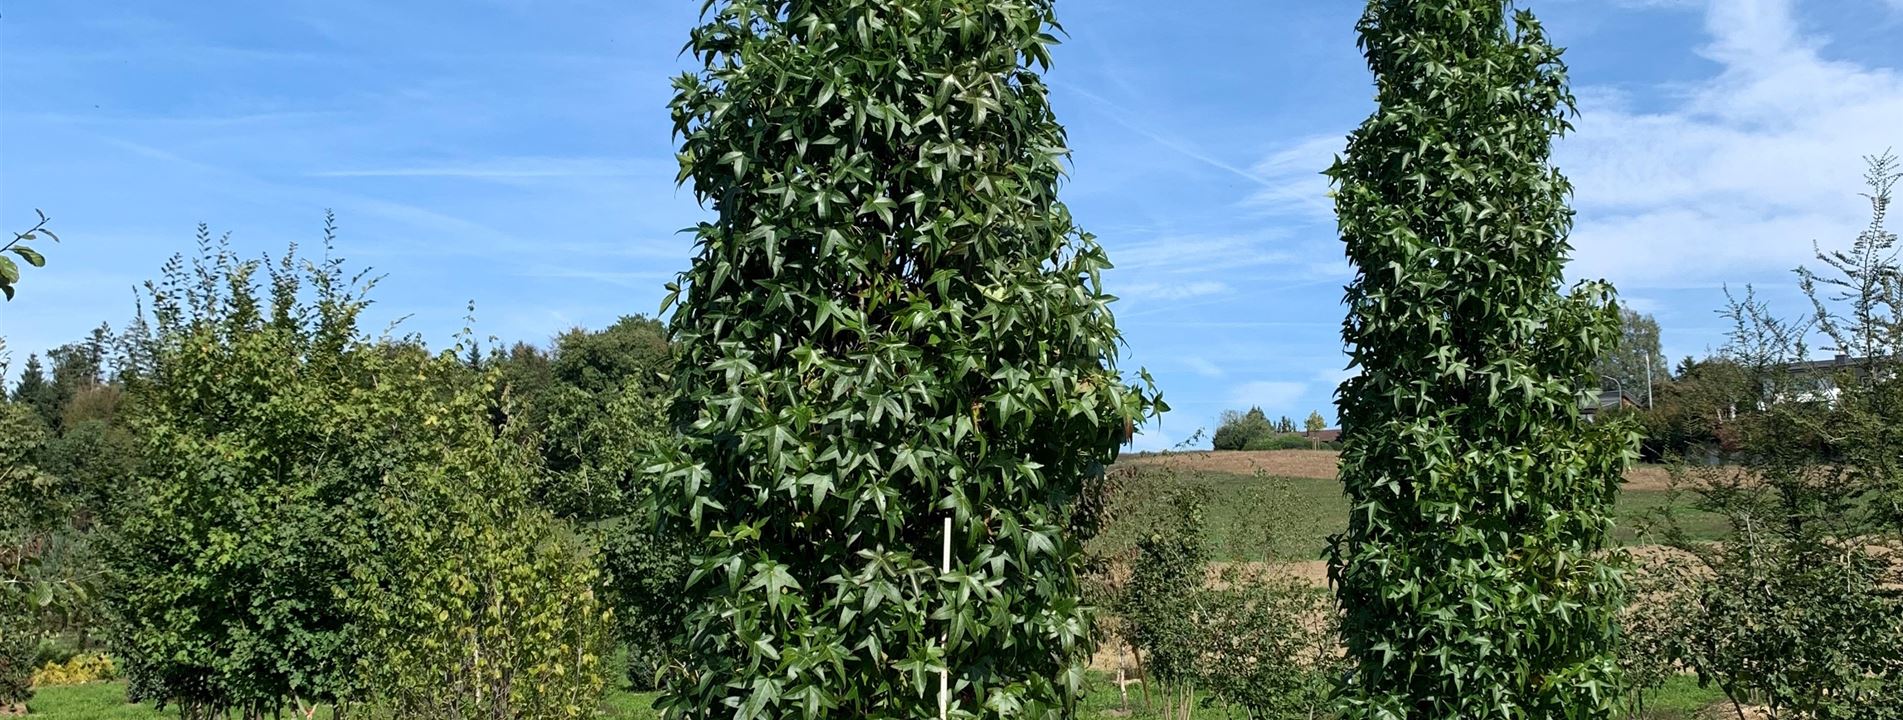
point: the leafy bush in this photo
(16, 663)
(1267, 644)
(1280, 441)
(646, 570)
(77, 670)
(1237, 633)
(324, 518)
(24, 588)
(1480, 498)
(1238, 430)
(228, 573)
(1158, 603)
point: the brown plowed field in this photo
(1321, 464)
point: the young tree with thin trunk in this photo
(891, 321)
(1471, 576)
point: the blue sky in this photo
(517, 153)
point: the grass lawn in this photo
(1678, 700)
(107, 701)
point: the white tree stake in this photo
(944, 674)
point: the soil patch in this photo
(1322, 464)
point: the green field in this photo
(1289, 519)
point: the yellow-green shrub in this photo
(79, 670)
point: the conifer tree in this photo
(891, 322)
(1470, 578)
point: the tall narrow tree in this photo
(891, 322)
(1470, 577)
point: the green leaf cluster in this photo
(1470, 578)
(598, 402)
(892, 321)
(18, 247)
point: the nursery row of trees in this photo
(856, 475)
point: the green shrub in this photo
(17, 655)
(326, 518)
(647, 570)
(1266, 644)
(1237, 431)
(227, 574)
(1237, 634)
(1280, 441)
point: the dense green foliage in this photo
(326, 518)
(1236, 430)
(891, 322)
(1469, 576)
(597, 401)
(23, 590)
(1633, 362)
(26, 589)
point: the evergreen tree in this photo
(36, 392)
(891, 322)
(1470, 576)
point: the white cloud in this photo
(1195, 255)
(1173, 290)
(1268, 394)
(1735, 178)
(1334, 378)
(1295, 183)
(1202, 366)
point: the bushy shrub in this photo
(77, 670)
(646, 570)
(24, 590)
(229, 574)
(327, 518)
(1237, 430)
(1266, 643)
(17, 653)
(1158, 602)
(1237, 634)
(1279, 441)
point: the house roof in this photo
(1608, 399)
(1837, 363)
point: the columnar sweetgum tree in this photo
(1471, 576)
(891, 322)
